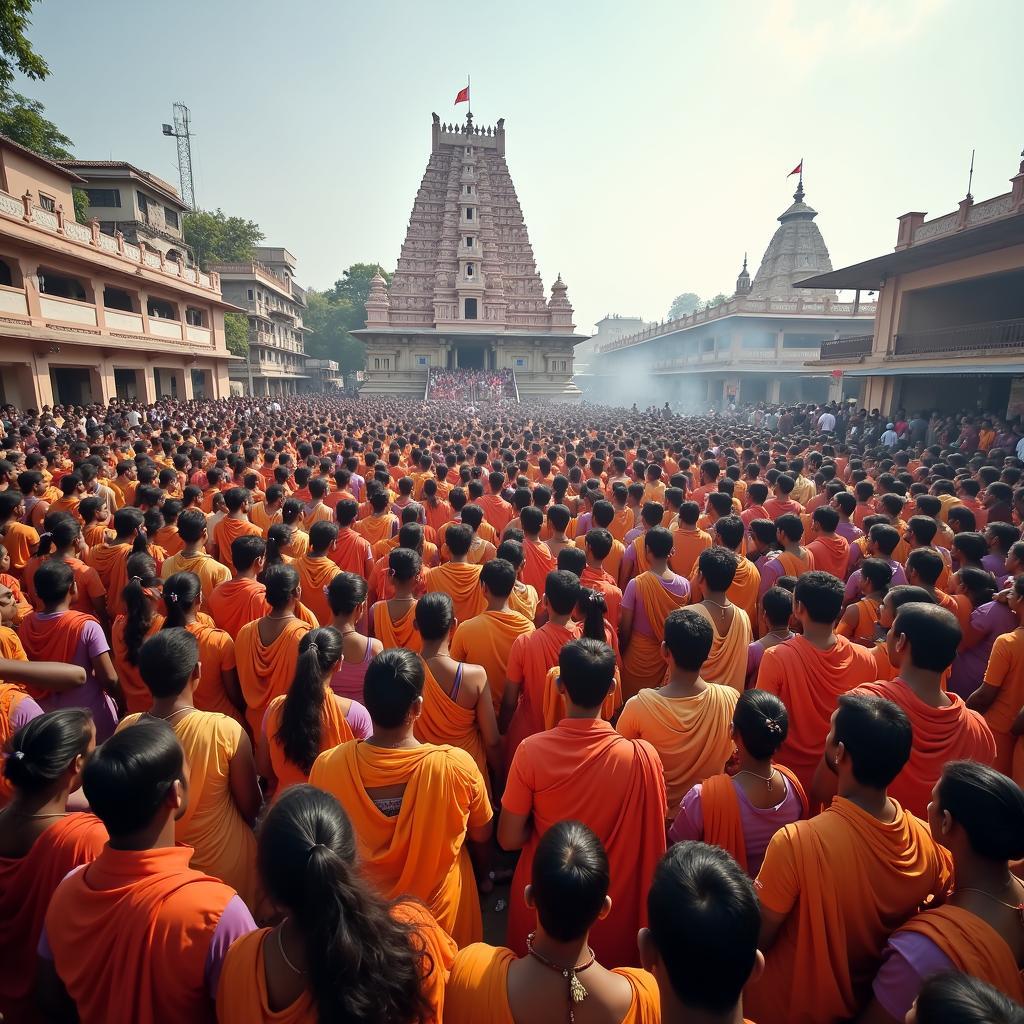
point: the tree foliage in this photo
(215, 237)
(683, 305)
(334, 312)
(236, 333)
(15, 49)
(23, 120)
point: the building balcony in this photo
(846, 348)
(995, 336)
(250, 270)
(741, 359)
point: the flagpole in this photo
(469, 98)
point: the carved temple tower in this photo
(466, 292)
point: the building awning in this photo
(870, 275)
(960, 368)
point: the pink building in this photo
(86, 316)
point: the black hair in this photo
(168, 659)
(704, 920)
(562, 591)
(570, 879)
(572, 559)
(302, 714)
(191, 524)
(39, 753)
(599, 541)
(790, 526)
(988, 805)
(245, 550)
(878, 572)
(393, 682)
(281, 582)
(434, 615)
(139, 613)
(877, 736)
(129, 776)
(322, 535)
(933, 635)
(658, 541)
(593, 608)
(730, 530)
(499, 576)
(53, 581)
(821, 594)
(182, 592)
(718, 567)
(345, 593)
(363, 963)
(689, 636)
(404, 564)
(762, 721)
(459, 539)
(954, 998)
(777, 603)
(586, 668)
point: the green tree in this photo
(15, 49)
(236, 333)
(215, 237)
(683, 305)
(718, 299)
(24, 121)
(332, 314)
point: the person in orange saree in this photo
(538, 560)
(792, 560)
(741, 812)
(310, 718)
(860, 619)
(487, 638)
(109, 557)
(382, 522)
(646, 603)
(978, 815)
(921, 645)
(21, 541)
(393, 621)
(829, 551)
(413, 805)
(234, 525)
(688, 721)
(351, 551)
(584, 770)
(568, 894)
(457, 705)
(811, 671)
(339, 947)
(240, 600)
(224, 793)
(267, 513)
(316, 569)
(40, 842)
(141, 619)
(138, 921)
(727, 661)
(532, 655)
(833, 888)
(267, 649)
(701, 943)
(598, 545)
(457, 578)
(194, 557)
(746, 581)
(523, 599)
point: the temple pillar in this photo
(774, 391)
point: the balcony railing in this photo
(996, 335)
(90, 236)
(846, 348)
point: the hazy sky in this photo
(648, 141)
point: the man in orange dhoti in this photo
(457, 578)
(193, 557)
(727, 661)
(532, 654)
(234, 525)
(110, 557)
(497, 511)
(688, 721)
(412, 805)
(584, 770)
(351, 551)
(538, 559)
(792, 560)
(240, 600)
(137, 935)
(646, 603)
(921, 646)
(810, 671)
(829, 551)
(598, 546)
(487, 638)
(834, 887)
(688, 541)
(316, 570)
(267, 650)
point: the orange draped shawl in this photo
(52, 639)
(444, 721)
(314, 576)
(727, 662)
(396, 633)
(461, 582)
(421, 852)
(487, 639)
(26, 886)
(537, 563)
(242, 992)
(229, 530)
(643, 664)
(830, 553)
(236, 602)
(350, 552)
(266, 671)
(137, 696)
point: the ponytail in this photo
(302, 715)
(181, 594)
(41, 750)
(61, 530)
(593, 607)
(362, 963)
(142, 577)
(278, 538)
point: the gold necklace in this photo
(173, 714)
(577, 992)
(770, 779)
(280, 948)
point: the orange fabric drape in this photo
(396, 633)
(643, 664)
(265, 671)
(334, 729)
(461, 582)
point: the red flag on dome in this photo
(796, 170)
(463, 96)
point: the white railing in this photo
(162, 328)
(200, 335)
(68, 310)
(13, 300)
(122, 321)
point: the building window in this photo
(117, 298)
(252, 294)
(520, 363)
(469, 190)
(161, 309)
(143, 203)
(423, 360)
(469, 270)
(47, 202)
(470, 309)
(194, 317)
(469, 213)
(469, 241)
(104, 197)
(170, 217)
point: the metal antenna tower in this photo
(181, 130)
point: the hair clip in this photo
(172, 597)
(135, 579)
(18, 755)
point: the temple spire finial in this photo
(798, 195)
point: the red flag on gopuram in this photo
(463, 96)
(796, 170)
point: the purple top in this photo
(91, 695)
(678, 585)
(759, 823)
(26, 710)
(348, 680)
(234, 922)
(583, 523)
(849, 531)
(899, 578)
(995, 564)
(358, 719)
(990, 621)
(631, 535)
(907, 962)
